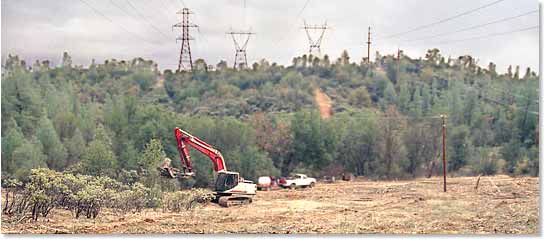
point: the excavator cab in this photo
(226, 181)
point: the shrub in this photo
(186, 200)
(487, 163)
(48, 189)
(12, 199)
(136, 199)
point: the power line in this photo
(497, 90)
(146, 19)
(297, 17)
(490, 35)
(110, 20)
(303, 8)
(163, 8)
(123, 10)
(475, 26)
(496, 101)
(443, 20)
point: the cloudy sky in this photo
(124, 29)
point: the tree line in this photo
(116, 119)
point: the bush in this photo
(487, 163)
(48, 189)
(186, 200)
(12, 199)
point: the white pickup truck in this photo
(298, 180)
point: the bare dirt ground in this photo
(324, 102)
(500, 205)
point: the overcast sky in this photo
(41, 29)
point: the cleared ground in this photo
(500, 205)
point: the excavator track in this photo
(229, 201)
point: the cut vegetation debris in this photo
(415, 206)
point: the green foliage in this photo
(360, 97)
(12, 139)
(53, 147)
(136, 199)
(81, 194)
(186, 200)
(75, 147)
(314, 142)
(460, 147)
(358, 148)
(27, 156)
(487, 162)
(98, 158)
(98, 120)
(152, 155)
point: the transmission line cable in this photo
(496, 101)
(123, 10)
(110, 20)
(491, 35)
(146, 19)
(444, 20)
(299, 14)
(475, 26)
(163, 8)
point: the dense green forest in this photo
(117, 118)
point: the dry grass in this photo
(500, 205)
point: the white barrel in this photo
(264, 181)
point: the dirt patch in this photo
(160, 82)
(324, 103)
(511, 205)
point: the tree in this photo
(128, 159)
(98, 158)
(313, 143)
(392, 151)
(357, 150)
(52, 146)
(390, 95)
(516, 73)
(344, 58)
(421, 140)
(511, 153)
(360, 97)
(74, 148)
(459, 147)
(21, 100)
(150, 159)
(152, 155)
(66, 60)
(27, 156)
(404, 97)
(12, 139)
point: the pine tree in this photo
(12, 140)
(98, 158)
(52, 146)
(27, 156)
(74, 147)
(390, 95)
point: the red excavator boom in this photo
(183, 139)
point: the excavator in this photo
(230, 188)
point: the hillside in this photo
(266, 120)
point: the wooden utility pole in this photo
(368, 46)
(444, 164)
(398, 65)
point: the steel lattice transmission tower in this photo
(185, 58)
(240, 59)
(315, 43)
